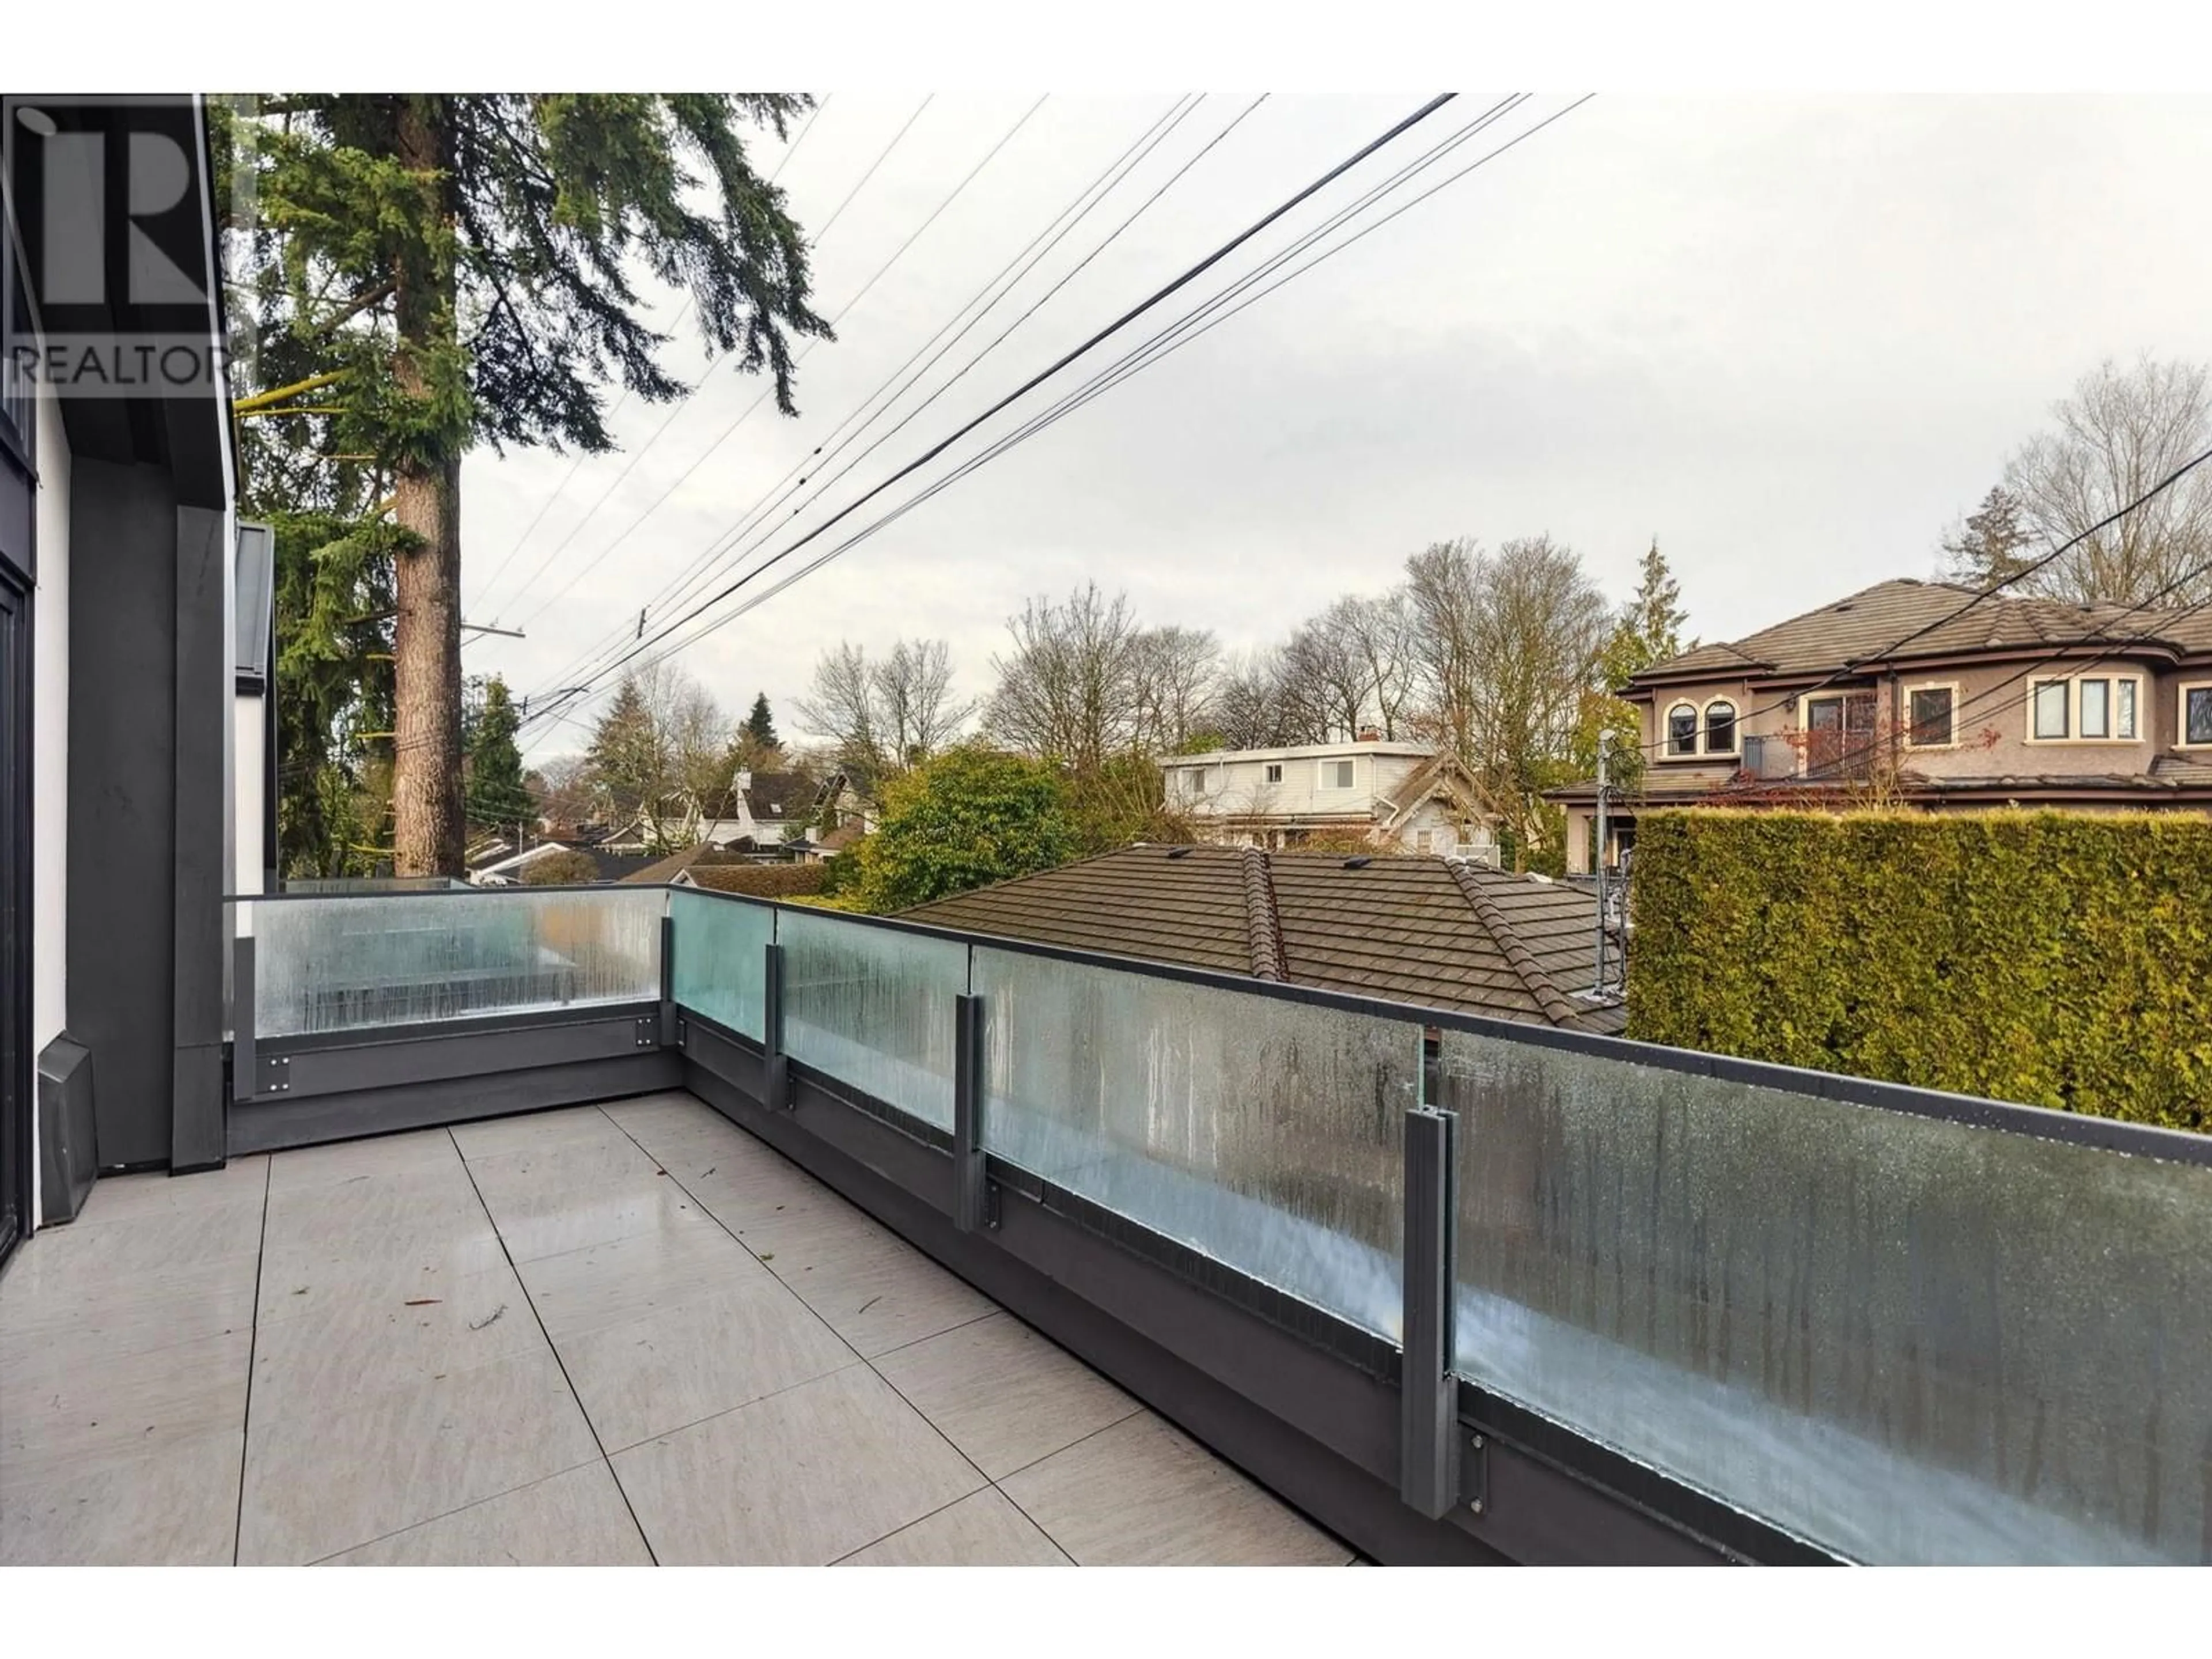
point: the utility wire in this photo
(1122, 368)
(1173, 286)
(683, 401)
(682, 311)
(843, 312)
(702, 568)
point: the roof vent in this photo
(1846, 605)
(1360, 863)
(1179, 851)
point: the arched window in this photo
(1682, 729)
(1720, 727)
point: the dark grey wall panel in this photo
(122, 795)
(272, 1126)
(204, 835)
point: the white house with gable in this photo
(1399, 797)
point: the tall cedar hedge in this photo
(2061, 960)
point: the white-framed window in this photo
(2195, 715)
(1682, 731)
(1336, 774)
(1931, 714)
(2086, 708)
(1272, 771)
(1424, 840)
(1720, 727)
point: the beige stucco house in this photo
(1403, 797)
(1920, 693)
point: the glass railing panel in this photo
(718, 958)
(1265, 1133)
(873, 1007)
(345, 964)
(1904, 1339)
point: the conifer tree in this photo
(435, 271)
(760, 725)
(497, 793)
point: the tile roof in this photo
(1865, 626)
(1433, 932)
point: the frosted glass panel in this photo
(719, 949)
(873, 1007)
(1266, 1133)
(342, 964)
(1904, 1339)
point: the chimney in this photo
(744, 780)
(1370, 734)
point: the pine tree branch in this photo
(261, 400)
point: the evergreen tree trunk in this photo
(428, 838)
(426, 774)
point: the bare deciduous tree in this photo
(917, 713)
(2120, 433)
(1443, 589)
(1072, 687)
(1250, 708)
(1175, 686)
(884, 717)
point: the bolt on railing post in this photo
(970, 1191)
(243, 1060)
(1428, 1469)
(775, 1066)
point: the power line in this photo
(1173, 286)
(1122, 369)
(683, 401)
(717, 553)
(844, 311)
(682, 311)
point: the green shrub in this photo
(566, 868)
(970, 816)
(2056, 959)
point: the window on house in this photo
(1336, 774)
(2050, 699)
(1720, 728)
(2197, 714)
(1932, 707)
(1682, 729)
(1274, 771)
(1424, 840)
(2123, 709)
(2096, 708)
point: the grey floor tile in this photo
(799, 1479)
(555, 1222)
(696, 1358)
(417, 1150)
(1002, 1394)
(321, 1276)
(577, 1161)
(323, 1359)
(378, 1216)
(573, 1519)
(1142, 1494)
(651, 1117)
(320, 1482)
(63, 1410)
(121, 1198)
(182, 1304)
(511, 1134)
(173, 1506)
(873, 1288)
(601, 1285)
(981, 1530)
(90, 1260)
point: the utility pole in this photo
(1597, 857)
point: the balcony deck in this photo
(621, 1334)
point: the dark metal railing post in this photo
(775, 1066)
(243, 1060)
(970, 1191)
(667, 982)
(1428, 1467)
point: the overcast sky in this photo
(1792, 337)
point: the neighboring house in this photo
(125, 732)
(759, 810)
(821, 849)
(613, 862)
(1404, 796)
(2031, 702)
(1447, 933)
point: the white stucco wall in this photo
(49, 753)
